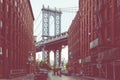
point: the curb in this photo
(26, 77)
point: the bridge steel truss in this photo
(54, 44)
(46, 13)
(50, 46)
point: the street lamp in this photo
(62, 63)
(30, 59)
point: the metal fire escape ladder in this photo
(103, 72)
(99, 25)
(99, 14)
(99, 17)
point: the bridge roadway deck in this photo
(53, 43)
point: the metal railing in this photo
(53, 38)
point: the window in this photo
(18, 9)
(117, 28)
(118, 5)
(89, 4)
(15, 4)
(20, 1)
(0, 50)
(104, 1)
(7, 8)
(1, 1)
(1, 23)
(110, 12)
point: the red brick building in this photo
(16, 37)
(99, 38)
(74, 43)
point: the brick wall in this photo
(17, 36)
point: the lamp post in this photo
(100, 50)
(62, 63)
(30, 59)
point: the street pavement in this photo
(73, 77)
(26, 77)
(62, 77)
(55, 77)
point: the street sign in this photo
(70, 55)
(30, 58)
(98, 65)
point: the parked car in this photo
(41, 74)
(65, 72)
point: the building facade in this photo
(98, 38)
(74, 44)
(16, 37)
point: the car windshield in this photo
(43, 70)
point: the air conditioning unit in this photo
(94, 43)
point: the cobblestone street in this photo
(62, 77)
(55, 77)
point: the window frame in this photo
(1, 51)
(1, 23)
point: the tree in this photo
(44, 65)
(67, 66)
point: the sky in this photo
(68, 8)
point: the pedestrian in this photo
(54, 71)
(60, 72)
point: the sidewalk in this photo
(26, 77)
(91, 78)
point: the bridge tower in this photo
(46, 14)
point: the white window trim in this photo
(1, 23)
(15, 4)
(20, 1)
(118, 3)
(7, 8)
(0, 50)
(1, 1)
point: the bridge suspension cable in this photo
(36, 20)
(69, 9)
(38, 26)
(37, 17)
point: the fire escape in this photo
(98, 30)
